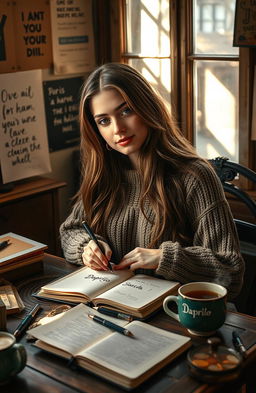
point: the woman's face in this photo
(122, 129)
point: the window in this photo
(184, 48)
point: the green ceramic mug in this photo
(13, 357)
(201, 307)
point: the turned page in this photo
(87, 281)
(73, 331)
(138, 291)
(133, 356)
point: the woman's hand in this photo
(94, 258)
(145, 258)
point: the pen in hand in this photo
(238, 343)
(93, 237)
(111, 325)
(22, 327)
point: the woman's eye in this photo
(103, 122)
(126, 111)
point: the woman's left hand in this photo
(145, 258)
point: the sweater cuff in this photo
(166, 261)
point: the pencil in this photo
(94, 238)
(111, 325)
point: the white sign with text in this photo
(24, 148)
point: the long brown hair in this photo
(163, 158)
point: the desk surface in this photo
(46, 373)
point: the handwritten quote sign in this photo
(23, 138)
(61, 104)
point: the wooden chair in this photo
(227, 171)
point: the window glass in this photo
(157, 72)
(214, 26)
(148, 27)
(216, 108)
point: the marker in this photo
(4, 244)
(94, 238)
(111, 325)
(238, 343)
(22, 327)
(114, 313)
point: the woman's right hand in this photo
(94, 258)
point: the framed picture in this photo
(245, 23)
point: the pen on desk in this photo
(110, 325)
(238, 343)
(22, 327)
(94, 238)
(4, 244)
(114, 313)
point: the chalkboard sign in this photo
(61, 107)
(245, 23)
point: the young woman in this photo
(155, 206)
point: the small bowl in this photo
(214, 362)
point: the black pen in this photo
(114, 313)
(110, 325)
(4, 244)
(238, 343)
(22, 327)
(94, 238)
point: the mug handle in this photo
(166, 308)
(22, 355)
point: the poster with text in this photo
(7, 42)
(24, 148)
(61, 107)
(72, 36)
(245, 23)
(33, 34)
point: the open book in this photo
(126, 361)
(138, 295)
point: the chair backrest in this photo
(227, 172)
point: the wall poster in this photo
(245, 23)
(72, 36)
(61, 99)
(7, 43)
(24, 148)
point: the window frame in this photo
(182, 63)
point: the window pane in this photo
(216, 109)
(157, 72)
(213, 27)
(148, 27)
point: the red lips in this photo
(125, 141)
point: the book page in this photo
(87, 281)
(138, 291)
(133, 356)
(73, 331)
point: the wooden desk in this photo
(46, 372)
(31, 209)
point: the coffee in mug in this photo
(12, 357)
(201, 307)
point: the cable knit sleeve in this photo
(73, 236)
(214, 254)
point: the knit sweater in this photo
(213, 254)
